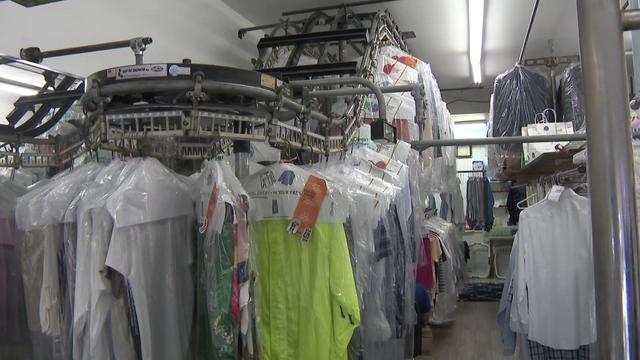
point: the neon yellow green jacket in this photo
(306, 296)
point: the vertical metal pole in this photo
(611, 181)
(635, 46)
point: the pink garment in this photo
(424, 272)
(403, 130)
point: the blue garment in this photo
(488, 224)
(504, 311)
(423, 299)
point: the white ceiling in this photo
(442, 35)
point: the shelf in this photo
(500, 237)
(546, 164)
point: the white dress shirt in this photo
(554, 294)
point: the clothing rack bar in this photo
(470, 171)
(361, 91)
(422, 145)
(631, 19)
(333, 7)
(611, 179)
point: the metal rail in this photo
(611, 179)
(208, 86)
(422, 145)
(382, 106)
(19, 84)
(34, 54)
(631, 19)
(529, 26)
(332, 7)
(360, 91)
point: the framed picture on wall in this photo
(464, 151)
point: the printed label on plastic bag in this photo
(308, 208)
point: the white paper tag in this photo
(554, 194)
(141, 71)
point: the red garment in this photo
(403, 130)
(424, 272)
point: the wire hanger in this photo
(520, 203)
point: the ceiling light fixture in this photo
(476, 29)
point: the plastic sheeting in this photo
(572, 105)
(383, 233)
(396, 67)
(14, 334)
(311, 274)
(40, 214)
(100, 317)
(518, 95)
(222, 302)
(151, 246)
(450, 265)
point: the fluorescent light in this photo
(473, 117)
(17, 89)
(476, 29)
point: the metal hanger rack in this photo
(610, 163)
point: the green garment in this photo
(306, 295)
(217, 336)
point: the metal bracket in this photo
(139, 45)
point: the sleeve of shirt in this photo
(50, 302)
(119, 256)
(520, 304)
(346, 309)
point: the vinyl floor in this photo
(474, 335)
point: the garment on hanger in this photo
(516, 194)
(14, 334)
(151, 246)
(555, 254)
(571, 94)
(449, 268)
(479, 203)
(222, 262)
(377, 249)
(40, 215)
(313, 276)
(509, 337)
(100, 323)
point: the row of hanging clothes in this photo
(547, 309)
(130, 260)
(440, 270)
(479, 202)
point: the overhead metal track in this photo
(34, 54)
(314, 70)
(333, 7)
(358, 35)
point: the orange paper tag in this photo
(306, 213)
(213, 199)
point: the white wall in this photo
(202, 30)
(471, 130)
